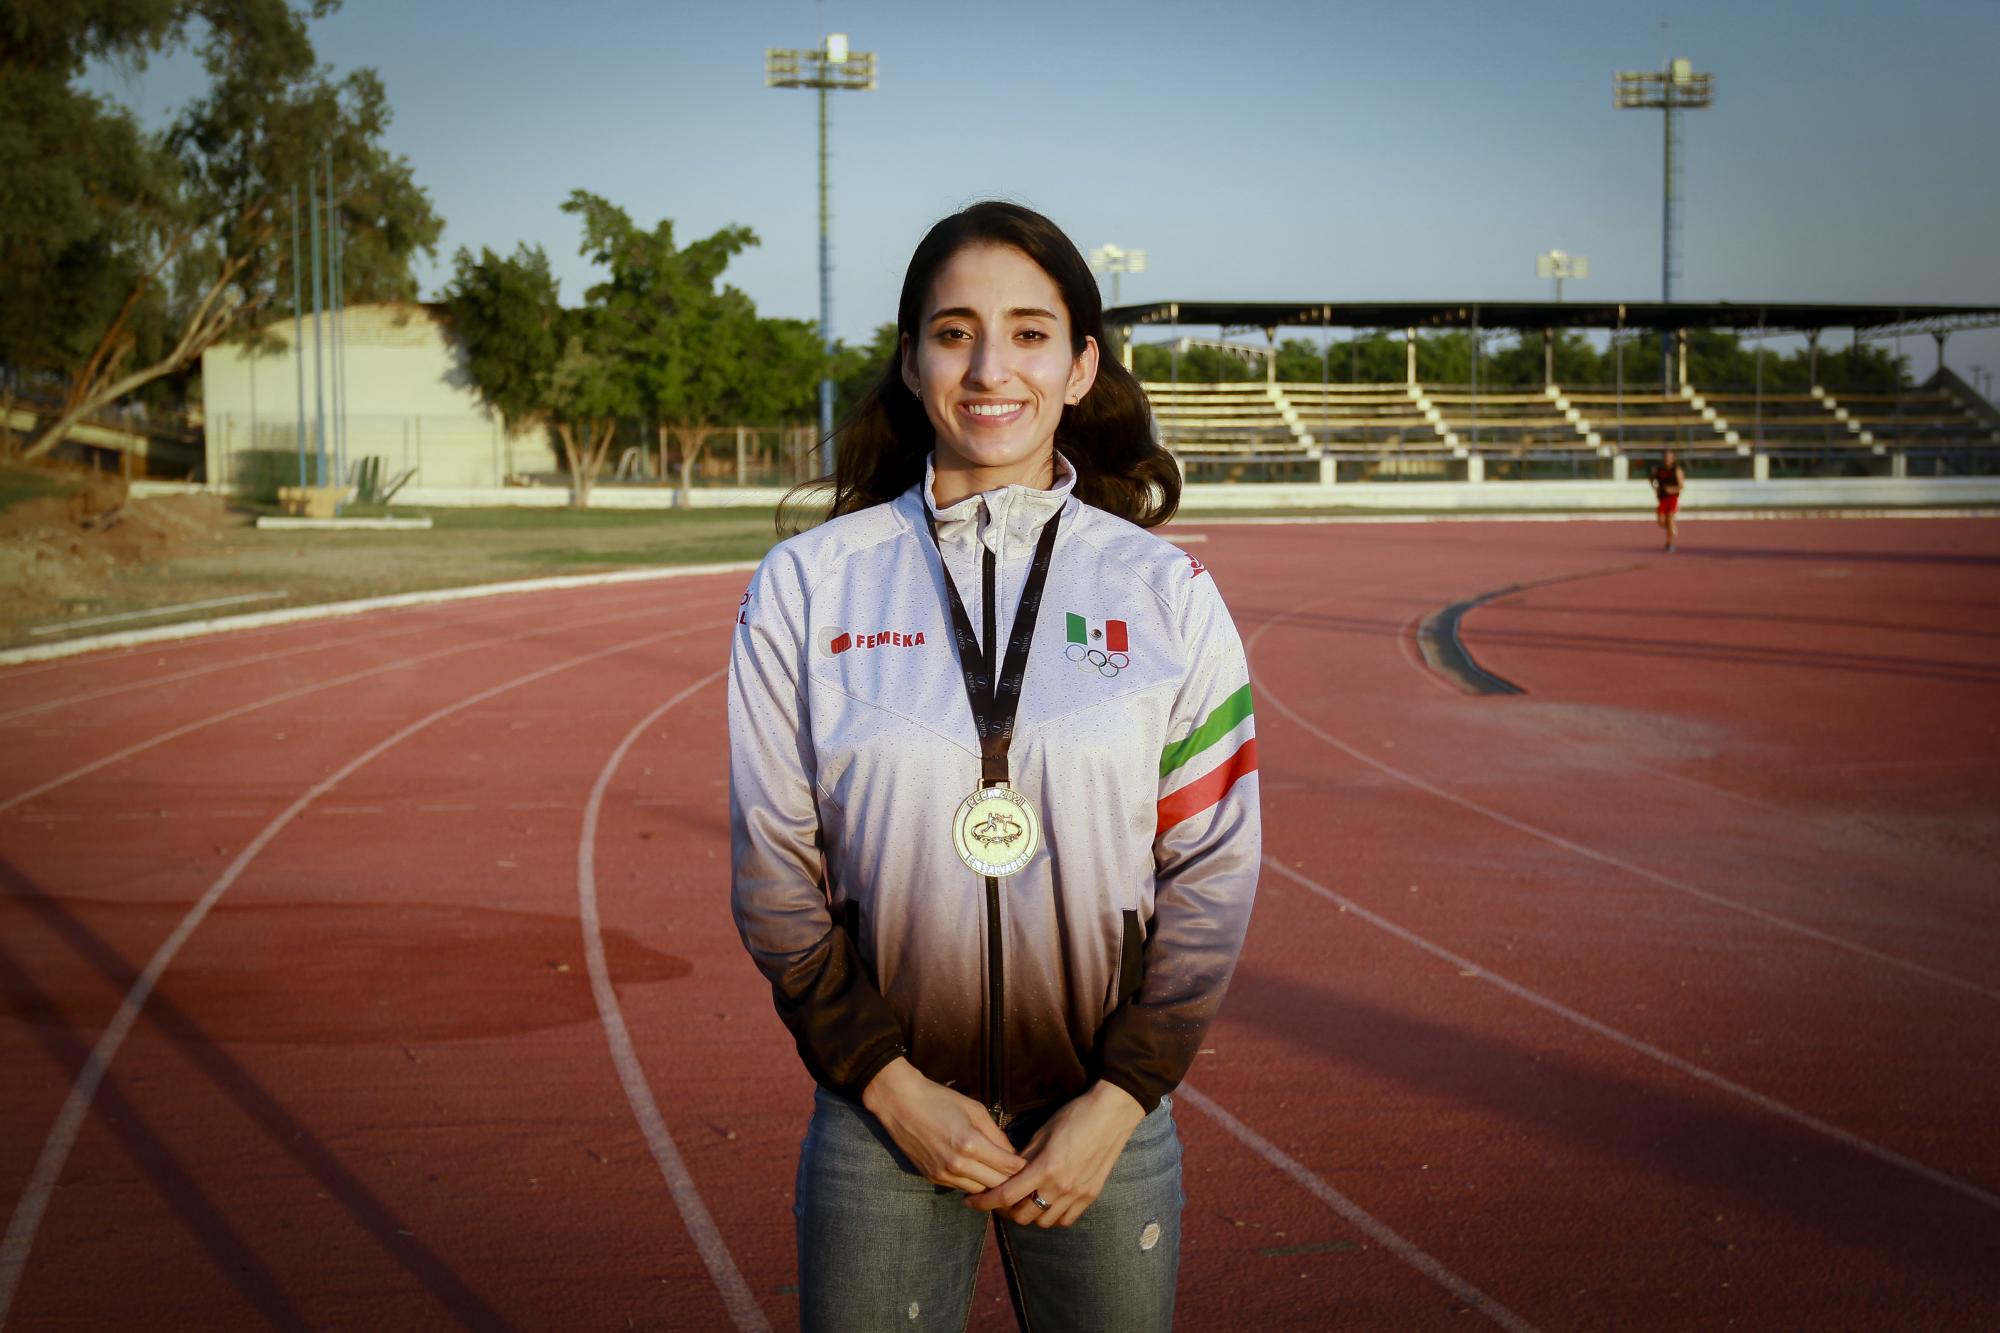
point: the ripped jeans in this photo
(880, 1247)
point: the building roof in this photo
(1774, 316)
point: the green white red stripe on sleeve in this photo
(1201, 767)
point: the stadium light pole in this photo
(1118, 261)
(829, 69)
(1678, 88)
(1560, 264)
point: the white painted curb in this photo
(1702, 517)
(42, 652)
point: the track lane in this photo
(466, 703)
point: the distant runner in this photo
(1668, 478)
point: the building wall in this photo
(408, 401)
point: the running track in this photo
(378, 972)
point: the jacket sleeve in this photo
(1206, 855)
(844, 1029)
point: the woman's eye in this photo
(1033, 335)
(952, 335)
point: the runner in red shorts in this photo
(1668, 478)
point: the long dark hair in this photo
(1107, 437)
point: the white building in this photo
(408, 401)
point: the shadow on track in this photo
(1764, 1166)
(234, 1257)
(369, 1213)
(1699, 552)
(1732, 654)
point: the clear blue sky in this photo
(1310, 149)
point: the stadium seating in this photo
(1287, 428)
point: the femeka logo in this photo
(1103, 646)
(834, 640)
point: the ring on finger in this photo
(1039, 1202)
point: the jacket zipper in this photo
(996, 956)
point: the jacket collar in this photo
(1014, 510)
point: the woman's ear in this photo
(1083, 371)
(911, 380)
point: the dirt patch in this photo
(58, 551)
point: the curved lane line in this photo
(744, 1311)
(300, 693)
(1355, 1214)
(1591, 853)
(34, 1200)
(1694, 1071)
(311, 646)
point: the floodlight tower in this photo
(1679, 88)
(1560, 264)
(828, 69)
(1117, 261)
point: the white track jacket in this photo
(852, 743)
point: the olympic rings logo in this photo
(1095, 659)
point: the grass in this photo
(21, 484)
(464, 547)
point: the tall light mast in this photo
(1676, 89)
(830, 68)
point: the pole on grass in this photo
(298, 337)
(319, 334)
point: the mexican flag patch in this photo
(1104, 635)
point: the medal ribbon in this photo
(996, 700)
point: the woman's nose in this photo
(988, 364)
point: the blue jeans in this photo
(880, 1247)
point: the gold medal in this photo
(995, 831)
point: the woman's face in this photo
(991, 361)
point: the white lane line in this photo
(1355, 1214)
(88, 621)
(744, 1311)
(302, 691)
(34, 1200)
(1603, 858)
(317, 645)
(1468, 968)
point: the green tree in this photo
(146, 250)
(697, 356)
(856, 369)
(654, 339)
(537, 364)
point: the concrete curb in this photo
(285, 523)
(42, 652)
(1702, 516)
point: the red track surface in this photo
(1662, 996)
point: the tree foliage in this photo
(1717, 359)
(132, 251)
(655, 340)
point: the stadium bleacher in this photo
(1277, 429)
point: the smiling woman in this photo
(982, 1053)
(1000, 318)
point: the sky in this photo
(1298, 149)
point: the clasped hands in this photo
(954, 1142)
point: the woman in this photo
(994, 810)
(1669, 479)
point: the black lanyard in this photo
(995, 701)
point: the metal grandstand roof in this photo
(1774, 316)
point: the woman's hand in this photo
(950, 1137)
(1068, 1161)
